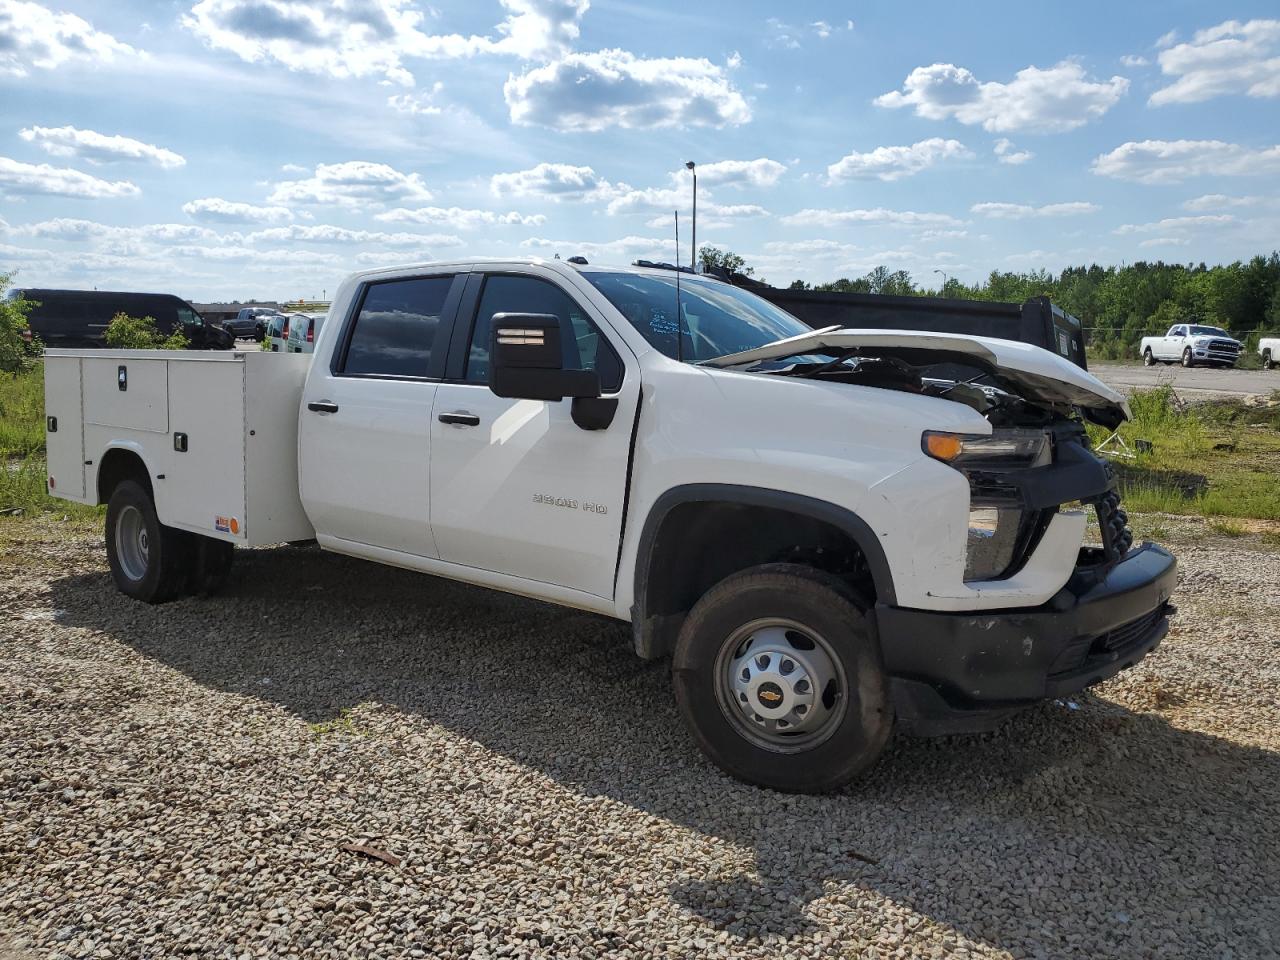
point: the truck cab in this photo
(830, 532)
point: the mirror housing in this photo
(526, 361)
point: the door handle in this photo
(322, 406)
(461, 418)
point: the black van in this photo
(79, 318)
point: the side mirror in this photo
(526, 361)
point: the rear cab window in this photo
(400, 329)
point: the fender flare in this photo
(841, 518)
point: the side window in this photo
(186, 315)
(589, 350)
(1179, 332)
(398, 328)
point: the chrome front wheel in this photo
(781, 685)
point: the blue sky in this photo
(266, 148)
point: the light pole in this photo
(690, 165)
(945, 279)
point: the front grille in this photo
(1127, 634)
(1225, 346)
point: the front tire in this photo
(1187, 360)
(148, 560)
(777, 671)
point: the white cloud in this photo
(72, 229)
(421, 104)
(1134, 60)
(32, 35)
(1049, 100)
(327, 233)
(217, 210)
(1007, 153)
(879, 215)
(894, 163)
(761, 172)
(811, 248)
(353, 183)
(1021, 211)
(557, 181)
(625, 200)
(21, 179)
(1166, 242)
(1218, 201)
(627, 248)
(98, 147)
(460, 218)
(1171, 161)
(360, 38)
(1177, 223)
(595, 91)
(1232, 57)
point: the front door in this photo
(365, 437)
(516, 486)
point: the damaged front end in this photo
(1040, 612)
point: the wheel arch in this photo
(122, 461)
(675, 563)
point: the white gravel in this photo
(179, 781)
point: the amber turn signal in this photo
(943, 446)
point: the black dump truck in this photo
(1036, 321)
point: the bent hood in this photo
(1031, 372)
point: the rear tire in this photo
(1267, 362)
(148, 560)
(777, 671)
(1147, 359)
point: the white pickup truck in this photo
(830, 531)
(1191, 344)
(1269, 351)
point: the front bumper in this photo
(965, 672)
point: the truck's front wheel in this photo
(778, 672)
(1187, 360)
(148, 560)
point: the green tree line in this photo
(1118, 306)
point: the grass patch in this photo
(22, 466)
(1214, 459)
(22, 413)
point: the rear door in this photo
(364, 443)
(516, 486)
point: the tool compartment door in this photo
(203, 490)
(121, 391)
(65, 444)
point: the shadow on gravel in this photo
(993, 835)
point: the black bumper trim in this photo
(961, 672)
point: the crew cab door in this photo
(364, 439)
(1173, 342)
(516, 486)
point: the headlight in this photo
(993, 535)
(1003, 449)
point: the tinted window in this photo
(588, 350)
(398, 328)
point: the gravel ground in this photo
(1198, 383)
(180, 781)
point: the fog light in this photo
(993, 536)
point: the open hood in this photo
(1030, 372)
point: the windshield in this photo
(715, 319)
(1208, 332)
